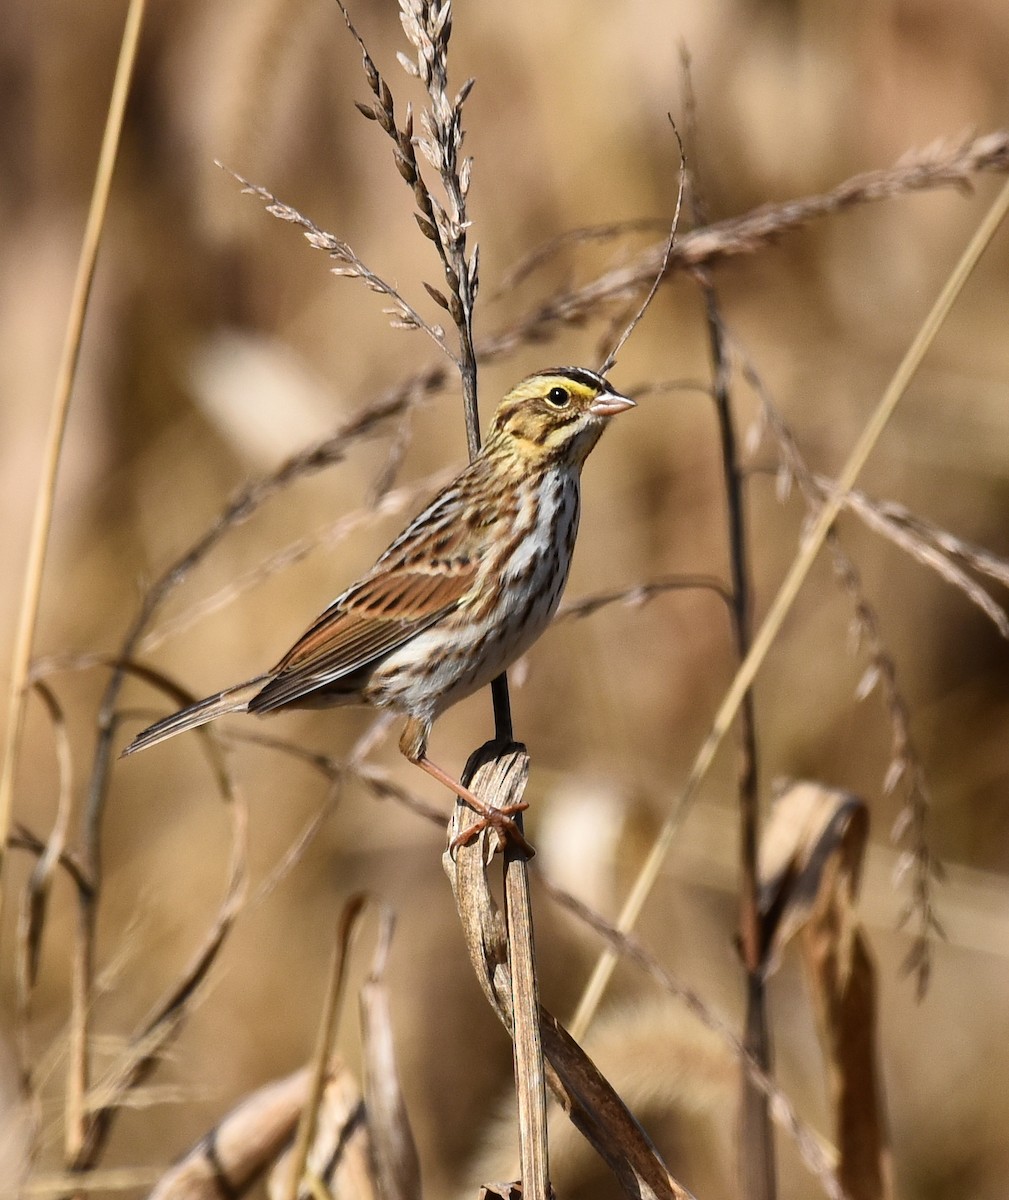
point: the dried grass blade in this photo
(232, 1155)
(339, 1163)
(349, 921)
(599, 1113)
(394, 1157)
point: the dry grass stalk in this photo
(814, 538)
(905, 768)
(60, 408)
(938, 165)
(642, 593)
(756, 1160)
(428, 27)
(610, 359)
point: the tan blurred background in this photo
(217, 343)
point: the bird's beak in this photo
(608, 404)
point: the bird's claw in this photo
(500, 820)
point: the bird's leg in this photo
(413, 744)
(500, 819)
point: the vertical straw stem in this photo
(42, 521)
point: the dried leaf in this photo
(340, 1156)
(394, 1155)
(228, 1157)
(811, 863)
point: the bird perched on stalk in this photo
(463, 591)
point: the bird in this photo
(459, 595)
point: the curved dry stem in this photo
(610, 231)
(610, 359)
(640, 593)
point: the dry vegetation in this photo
(245, 432)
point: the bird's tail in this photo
(233, 699)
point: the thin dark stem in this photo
(468, 370)
(757, 1168)
(756, 1164)
(499, 687)
(502, 711)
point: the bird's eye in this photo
(558, 397)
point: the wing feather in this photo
(421, 577)
(371, 620)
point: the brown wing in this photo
(370, 620)
(420, 578)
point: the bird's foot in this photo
(500, 820)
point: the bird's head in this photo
(556, 414)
